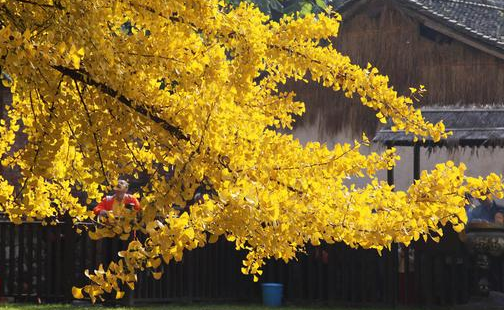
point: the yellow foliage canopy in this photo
(186, 92)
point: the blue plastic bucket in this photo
(272, 294)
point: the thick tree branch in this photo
(84, 77)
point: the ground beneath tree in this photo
(177, 307)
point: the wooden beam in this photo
(416, 162)
(390, 173)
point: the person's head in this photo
(499, 218)
(121, 189)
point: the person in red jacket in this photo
(117, 203)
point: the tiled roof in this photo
(472, 127)
(481, 19)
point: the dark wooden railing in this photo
(44, 262)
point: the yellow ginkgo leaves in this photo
(119, 294)
(77, 293)
(185, 100)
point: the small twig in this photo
(94, 132)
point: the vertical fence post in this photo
(20, 275)
(69, 258)
(129, 298)
(12, 259)
(39, 263)
(3, 248)
(29, 258)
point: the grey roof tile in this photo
(472, 127)
(480, 19)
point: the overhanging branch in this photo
(84, 77)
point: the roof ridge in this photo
(432, 7)
(484, 5)
(460, 110)
(481, 20)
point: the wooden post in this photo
(416, 175)
(390, 173)
(416, 162)
(20, 260)
(393, 268)
(69, 237)
(29, 257)
(12, 259)
(38, 258)
(3, 248)
(390, 176)
(129, 297)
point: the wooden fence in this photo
(44, 262)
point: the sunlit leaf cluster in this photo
(185, 96)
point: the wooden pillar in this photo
(390, 176)
(390, 173)
(129, 297)
(20, 259)
(409, 290)
(393, 262)
(12, 260)
(29, 257)
(69, 239)
(3, 263)
(416, 162)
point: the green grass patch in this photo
(171, 307)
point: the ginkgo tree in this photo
(187, 93)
